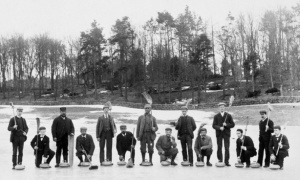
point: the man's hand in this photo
(199, 156)
(280, 145)
(55, 139)
(153, 129)
(267, 127)
(244, 148)
(35, 147)
(89, 156)
(132, 146)
(239, 159)
(224, 124)
(83, 151)
(138, 138)
(15, 126)
(72, 134)
(24, 133)
(115, 131)
(222, 128)
(163, 152)
(98, 139)
(121, 158)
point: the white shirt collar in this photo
(124, 134)
(222, 113)
(278, 136)
(19, 116)
(83, 136)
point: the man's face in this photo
(123, 129)
(239, 134)
(43, 132)
(147, 110)
(203, 133)
(168, 133)
(19, 112)
(184, 112)
(277, 132)
(83, 131)
(222, 108)
(263, 115)
(63, 113)
(105, 110)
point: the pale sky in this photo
(67, 18)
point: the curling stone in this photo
(200, 164)
(146, 163)
(239, 165)
(165, 163)
(107, 163)
(64, 165)
(45, 166)
(85, 164)
(255, 165)
(185, 163)
(274, 166)
(220, 164)
(129, 164)
(19, 167)
(121, 163)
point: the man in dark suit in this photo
(244, 144)
(186, 126)
(222, 123)
(105, 131)
(145, 132)
(19, 129)
(40, 144)
(278, 147)
(203, 146)
(125, 142)
(85, 146)
(265, 131)
(166, 146)
(62, 127)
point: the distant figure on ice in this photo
(40, 144)
(19, 129)
(167, 147)
(244, 144)
(265, 132)
(203, 146)
(279, 146)
(222, 123)
(125, 142)
(62, 127)
(105, 130)
(146, 133)
(85, 146)
(186, 127)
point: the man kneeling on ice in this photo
(125, 142)
(244, 144)
(85, 146)
(166, 147)
(40, 144)
(203, 146)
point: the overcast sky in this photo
(67, 18)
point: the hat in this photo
(184, 108)
(42, 128)
(63, 108)
(222, 104)
(123, 126)
(262, 112)
(203, 129)
(20, 108)
(106, 105)
(277, 127)
(168, 129)
(83, 128)
(147, 106)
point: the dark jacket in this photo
(273, 146)
(165, 143)
(263, 135)
(218, 123)
(43, 146)
(248, 143)
(100, 125)
(141, 125)
(14, 131)
(87, 143)
(191, 126)
(206, 144)
(124, 142)
(61, 126)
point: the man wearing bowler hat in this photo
(125, 142)
(19, 129)
(223, 123)
(85, 146)
(265, 132)
(62, 126)
(166, 146)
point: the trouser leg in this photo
(219, 152)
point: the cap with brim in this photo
(203, 129)
(277, 127)
(222, 104)
(83, 128)
(168, 129)
(105, 106)
(42, 128)
(122, 126)
(147, 106)
(184, 108)
(19, 108)
(63, 109)
(263, 112)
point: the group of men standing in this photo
(276, 146)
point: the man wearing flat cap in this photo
(146, 132)
(186, 126)
(167, 147)
(223, 123)
(105, 131)
(203, 146)
(265, 132)
(278, 147)
(85, 146)
(62, 127)
(41, 145)
(125, 142)
(19, 129)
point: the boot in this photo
(208, 163)
(81, 160)
(172, 160)
(150, 158)
(143, 157)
